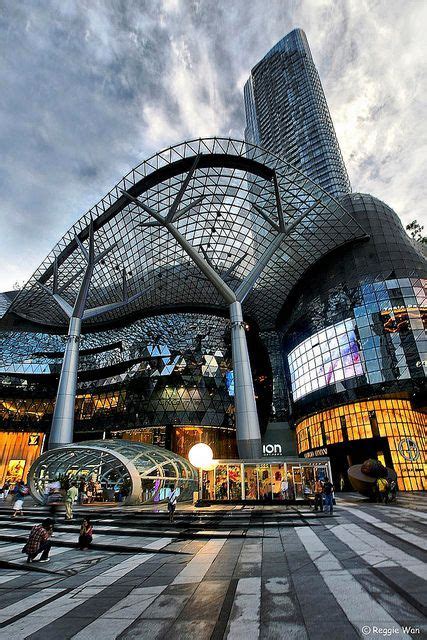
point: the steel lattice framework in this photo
(230, 200)
(207, 223)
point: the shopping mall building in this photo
(143, 296)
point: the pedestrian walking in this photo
(86, 535)
(70, 496)
(6, 489)
(82, 491)
(318, 495)
(172, 501)
(20, 491)
(328, 496)
(46, 492)
(38, 541)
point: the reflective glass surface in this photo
(144, 473)
(286, 111)
(384, 341)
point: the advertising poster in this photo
(15, 470)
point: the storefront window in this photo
(264, 475)
(394, 419)
(221, 489)
(251, 482)
(297, 482)
(234, 482)
(309, 478)
(278, 472)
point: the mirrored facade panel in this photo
(153, 374)
(384, 341)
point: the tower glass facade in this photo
(287, 113)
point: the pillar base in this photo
(56, 445)
(249, 449)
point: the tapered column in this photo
(63, 416)
(248, 435)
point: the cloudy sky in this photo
(89, 88)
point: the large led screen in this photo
(326, 357)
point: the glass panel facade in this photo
(141, 472)
(221, 482)
(384, 341)
(228, 204)
(251, 482)
(278, 474)
(234, 481)
(157, 372)
(327, 357)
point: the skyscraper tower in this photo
(287, 113)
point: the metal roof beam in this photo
(278, 203)
(179, 214)
(172, 211)
(266, 217)
(248, 283)
(210, 273)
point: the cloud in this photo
(90, 88)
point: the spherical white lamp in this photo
(201, 456)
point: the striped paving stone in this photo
(300, 578)
(387, 527)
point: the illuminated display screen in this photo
(325, 358)
(229, 381)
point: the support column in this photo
(247, 426)
(63, 416)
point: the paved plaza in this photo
(237, 572)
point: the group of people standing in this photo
(324, 495)
(89, 491)
(85, 492)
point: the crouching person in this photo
(86, 535)
(38, 541)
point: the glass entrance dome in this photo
(141, 473)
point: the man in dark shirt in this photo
(328, 493)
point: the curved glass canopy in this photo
(229, 200)
(145, 473)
